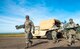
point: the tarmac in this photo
(43, 43)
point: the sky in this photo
(13, 12)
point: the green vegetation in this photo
(12, 35)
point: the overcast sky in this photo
(13, 12)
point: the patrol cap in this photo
(27, 16)
(71, 20)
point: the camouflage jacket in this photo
(28, 24)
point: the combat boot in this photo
(27, 45)
(70, 44)
(55, 41)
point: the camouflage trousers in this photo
(78, 36)
(28, 40)
(54, 36)
(65, 34)
(71, 36)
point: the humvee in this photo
(44, 28)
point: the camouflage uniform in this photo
(78, 32)
(28, 26)
(71, 32)
(65, 32)
(54, 33)
(61, 29)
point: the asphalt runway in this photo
(19, 43)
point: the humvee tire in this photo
(49, 36)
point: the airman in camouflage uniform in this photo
(54, 33)
(65, 32)
(28, 28)
(61, 29)
(71, 32)
(78, 32)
